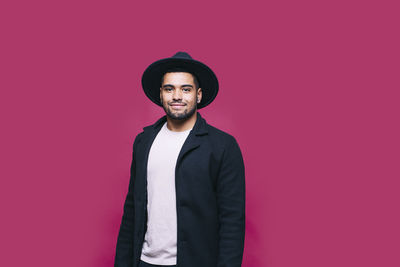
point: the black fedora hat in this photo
(208, 82)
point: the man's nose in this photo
(177, 94)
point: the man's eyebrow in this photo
(183, 85)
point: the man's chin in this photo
(180, 115)
(177, 116)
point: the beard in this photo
(182, 115)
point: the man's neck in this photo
(181, 125)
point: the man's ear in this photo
(199, 95)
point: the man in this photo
(185, 204)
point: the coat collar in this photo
(199, 128)
(192, 142)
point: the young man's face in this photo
(179, 95)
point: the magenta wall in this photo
(310, 90)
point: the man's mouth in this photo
(177, 105)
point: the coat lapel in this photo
(194, 139)
(150, 133)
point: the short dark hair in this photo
(178, 69)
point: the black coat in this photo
(210, 199)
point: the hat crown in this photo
(182, 55)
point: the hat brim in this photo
(208, 81)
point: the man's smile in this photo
(177, 105)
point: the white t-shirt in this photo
(160, 240)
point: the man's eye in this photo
(168, 89)
(186, 89)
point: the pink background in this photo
(310, 89)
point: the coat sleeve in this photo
(231, 206)
(124, 247)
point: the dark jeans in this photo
(145, 264)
